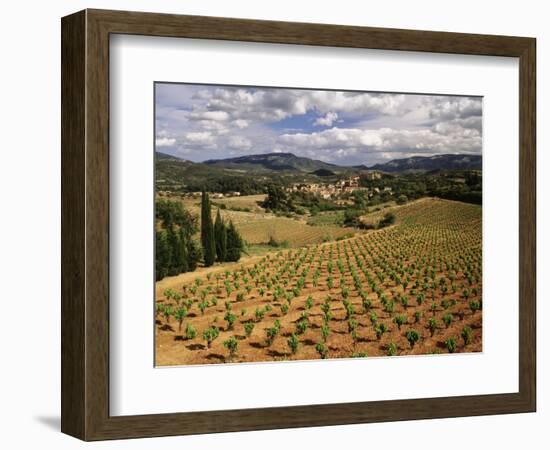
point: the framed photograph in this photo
(272, 225)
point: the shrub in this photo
(301, 326)
(451, 344)
(322, 349)
(159, 309)
(373, 318)
(309, 302)
(475, 306)
(210, 335)
(293, 343)
(413, 337)
(400, 320)
(230, 318)
(448, 319)
(350, 310)
(379, 330)
(325, 331)
(352, 325)
(466, 335)
(284, 308)
(392, 349)
(180, 315)
(190, 332)
(271, 333)
(432, 325)
(417, 316)
(401, 199)
(259, 314)
(168, 311)
(203, 305)
(231, 344)
(248, 328)
(367, 305)
(389, 219)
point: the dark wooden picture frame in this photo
(85, 224)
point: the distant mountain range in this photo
(276, 162)
(429, 163)
(288, 162)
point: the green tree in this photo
(230, 319)
(207, 231)
(466, 335)
(178, 262)
(163, 255)
(412, 336)
(248, 328)
(293, 343)
(231, 344)
(322, 349)
(277, 199)
(194, 254)
(451, 344)
(190, 331)
(220, 235)
(210, 334)
(402, 199)
(180, 315)
(235, 243)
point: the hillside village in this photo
(329, 190)
(334, 190)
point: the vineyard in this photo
(258, 227)
(411, 288)
(296, 234)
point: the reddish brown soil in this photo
(433, 241)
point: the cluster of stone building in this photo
(336, 189)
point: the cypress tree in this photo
(235, 243)
(184, 251)
(176, 261)
(194, 254)
(207, 231)
(163, 255)
(220, 234)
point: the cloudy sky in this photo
(200, 122)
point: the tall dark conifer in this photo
(207, 231)
(163, 255)
(235, 243)
(176, 262)
(220, 234)
(184, 252)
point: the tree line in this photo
(176, 251)
(221, 241)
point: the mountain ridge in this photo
(275, 162)
(430, 163)
(289, 162)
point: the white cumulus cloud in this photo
(165, 142)
(326, 121)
